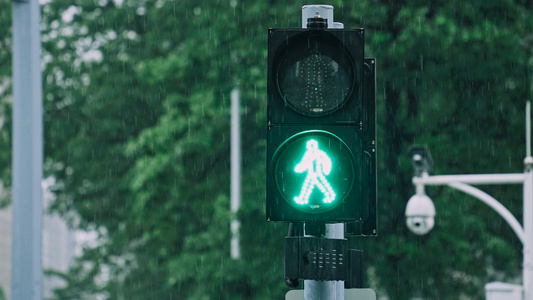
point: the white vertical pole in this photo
(528, 129)
(528, 212)
(313, 289)
(235, 172)
(528, 230)
(26, 280)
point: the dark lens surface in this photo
(315, 78)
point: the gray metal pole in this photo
(527, 271)
(26, 280)
(527, 265)
(324, 290)
(235, 173)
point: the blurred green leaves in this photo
(136, 102)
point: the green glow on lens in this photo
(314, 171)
(317, 164)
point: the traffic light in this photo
(321, 127)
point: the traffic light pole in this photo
(324, 290)
(313, 289)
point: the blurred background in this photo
(136, 98)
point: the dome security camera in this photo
(420, 214)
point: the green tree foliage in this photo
(142, 123)
(136, 99)
(453, 76)
(5, 100)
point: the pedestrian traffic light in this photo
(313, 169)
(321, 126)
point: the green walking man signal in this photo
(317, 164)
(312, 172)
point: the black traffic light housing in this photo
(321, 91)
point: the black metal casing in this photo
(351, 118)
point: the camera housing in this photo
(420, 214)
(421, 160)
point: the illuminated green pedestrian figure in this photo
(317, 164)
